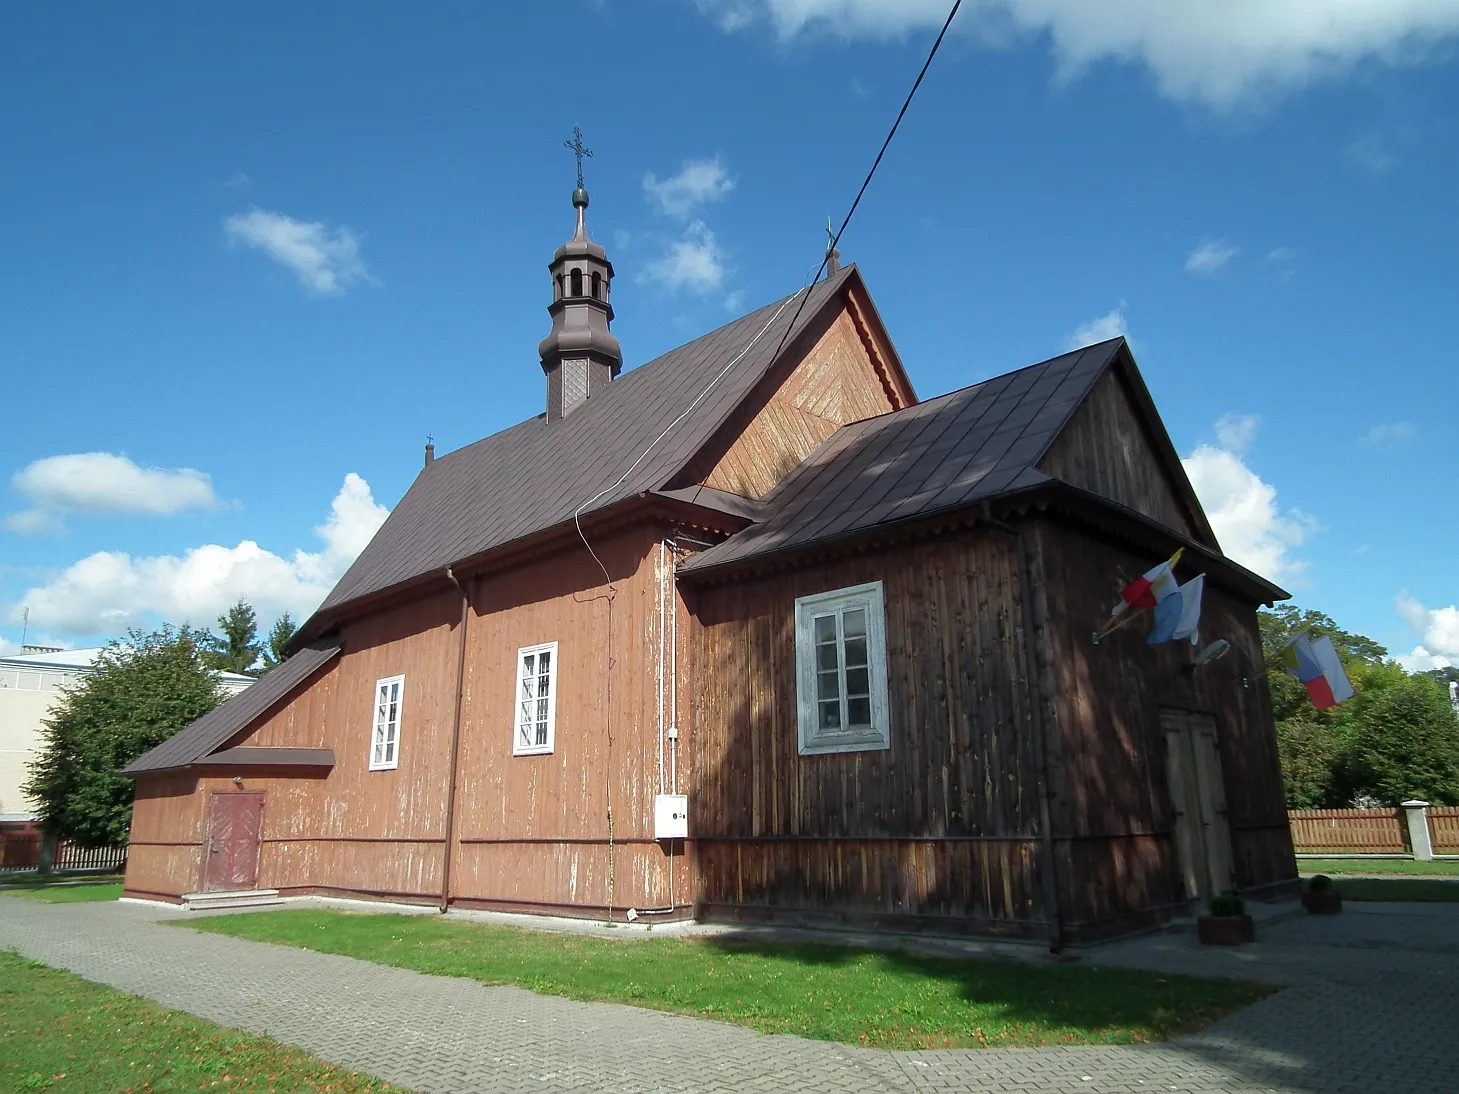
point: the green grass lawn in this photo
(63, 1034)
(1397, 888)
(65, 890)
(883, 999)
(1407, 867)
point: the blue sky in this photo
(250, 258)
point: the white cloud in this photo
(697, 183)
(1388, 435)
(1281, 254)
(110, 590)
(1243, 509)
(694, 262)
(8, 647)
(1218, 52)
(1438, 630)
(1371, 152)
(102, 482)
(325, 259)
(1102, 329)
(1210, 256)
(1235, 432)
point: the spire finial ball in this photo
(580, 198)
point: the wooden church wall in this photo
(1106, 450)
(940, 830)
(532, 832)
(353, 830)
(1114, 815)
(835, 383)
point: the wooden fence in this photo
(20, 853)
(1444, 829)
(1369, 831)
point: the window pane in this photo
(825, 628)
(831, 714)
(394, 716)
(826, 657)
(855, 651)
(529, 688)
(858, 712)
(544, 662)
(389, 751)
(858, 683)
(524, 716)
(828, 685)
(541, 733)
(524, 732)
(853, 623)
(395, 692)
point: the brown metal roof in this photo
(214, 729)
(535, 475)
(974, 444)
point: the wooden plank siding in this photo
(835, 383)
(532, 831)
(940, 830)
(1113, 812)
(1106, 450)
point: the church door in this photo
(1198, 794)
(234, 825)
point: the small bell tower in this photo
(580, 356)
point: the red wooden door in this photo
(231, 841)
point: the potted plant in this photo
(1321, 897)
(1227, 924)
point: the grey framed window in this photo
(841, 671)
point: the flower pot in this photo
(1326, 903)
(1225, 930)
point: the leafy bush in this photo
(1228, 904)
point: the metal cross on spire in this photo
(579, 150)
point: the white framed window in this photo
(536, 700)
(841, 671)
(385, 741)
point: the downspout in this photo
(455, 744)
(1041, 762)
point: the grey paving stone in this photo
(1369, 1005)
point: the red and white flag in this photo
(1149, 589)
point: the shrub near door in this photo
(1227, 925)
(1321, 897)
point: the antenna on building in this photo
(24, 625)
(833, 256)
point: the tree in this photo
(139, 693)
(275, 653)
(1406, 743)
(237, 650)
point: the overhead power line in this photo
(836, 239)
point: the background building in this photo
(30, 684)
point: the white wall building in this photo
(30, 683)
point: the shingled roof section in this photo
(534, 476)
(225, 721)
(978, 443)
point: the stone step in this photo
(240, 898)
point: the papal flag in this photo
(1314, 661)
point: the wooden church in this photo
(749, 632)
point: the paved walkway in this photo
(1371, 1006)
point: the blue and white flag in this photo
(1179, 614)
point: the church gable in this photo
(845, 377)
(1107, 450)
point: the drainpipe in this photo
(455, 743)
(1025, 596)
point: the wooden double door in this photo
(232, 836)
(1198, 795)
